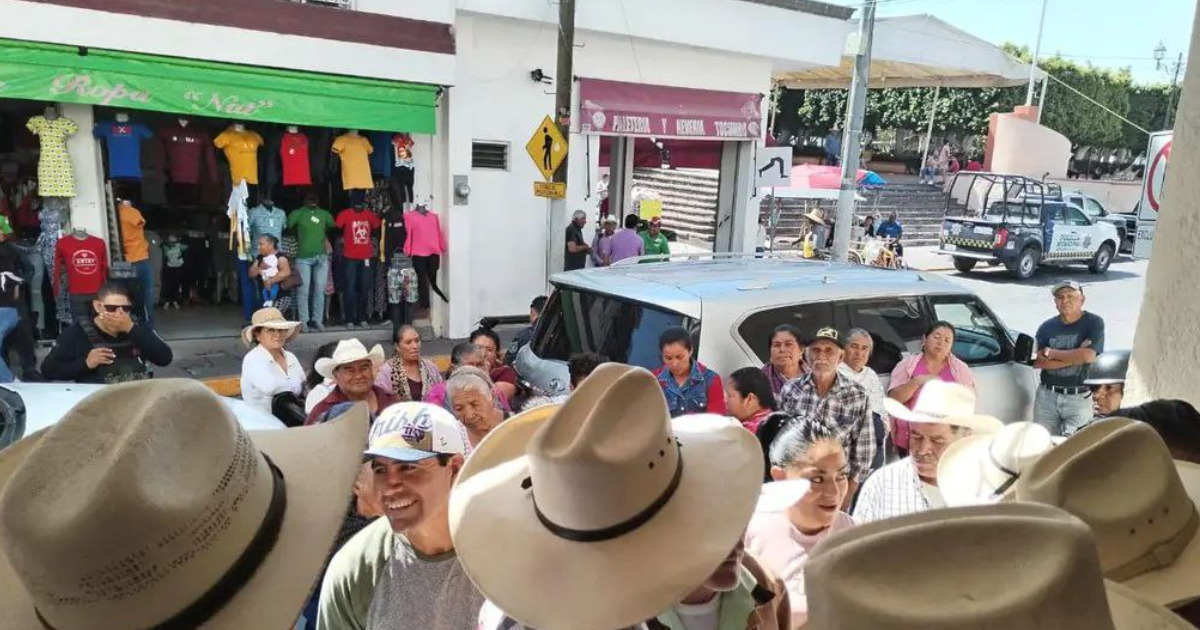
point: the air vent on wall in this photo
(489, 155)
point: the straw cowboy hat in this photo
(1010, 565)
(349, 351)
(268, 318)
(940, 402)
(607, 510)
(1118, 476)
(815, 217)
(148, 506)
(980, 469)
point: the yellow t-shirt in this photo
(241, 149)
(133, 234)
(356, 168)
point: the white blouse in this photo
(262, 377)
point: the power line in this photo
(1097, 103)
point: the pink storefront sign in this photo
(633, 109)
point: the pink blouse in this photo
(425, 236)
(955, 371)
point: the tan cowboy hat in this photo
(268, 318)
(940, 402)
(1118, 476)
(349, 351)
(604, 506)
(148, 506)
(980, 469)
(1006, 566)
(814, 217)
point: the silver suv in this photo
(733, 302)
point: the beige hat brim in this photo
(325, 367)
(248, 331)
(1178, 583)
(317, 496)
(566, 585)
(962, 472)
(976, 422)
(1131, 611)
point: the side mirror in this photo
(1023, 352)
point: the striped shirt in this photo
(894, 490)
(847, 404)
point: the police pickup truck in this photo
(1020, 223)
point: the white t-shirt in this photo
(318, 393)
(700, 616)
(262, 377)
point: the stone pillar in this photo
(1166, 349)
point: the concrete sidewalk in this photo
(927, 259)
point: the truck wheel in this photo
(1102, 259)
(964, 265)
(1025, 264)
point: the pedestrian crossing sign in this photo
(547, 148)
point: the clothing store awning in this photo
(617, 108)
(51, 72)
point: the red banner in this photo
(633, 109)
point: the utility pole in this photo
(566, 76)
(1037, 51)
(1168, 119)
(852, 137)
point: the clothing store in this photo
(195, 162)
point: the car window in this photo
(756, 329)
(621, 330)
(897, 325)
(1093, 208)
(1053, 213)
(978, 338)
(1075, 216)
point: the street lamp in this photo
(1160, 53)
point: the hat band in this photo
(622, 528)
(1013, 475)
(242, 570)
(1161, 555)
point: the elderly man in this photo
(472, 400)
(859, 346)
(1067, 347)
(823, 390)
(353, 370)
(576, 251)
(602, 247)
(943, 414)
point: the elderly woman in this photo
(787, 357)
(268, 369)
(473, 402)
(465, 354)
(808, 449)
(688, 385)
(407, 374)
(936, 361)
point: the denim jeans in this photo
(314, 274)
(1061, 414)
(32, 257)
(9, 318)
(360, 276)
(143, 293)
(250, 296)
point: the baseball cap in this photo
(5, 226)
(829, 334)
(413, 431)
(1066, 284)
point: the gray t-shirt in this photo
(1088, 332)
(417, 592)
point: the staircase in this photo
(689, 199)
(918, 207)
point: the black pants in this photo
(401, 315)
(402, 185)
(171, 277)
(427, 269)
(358, 288)
(20, 340)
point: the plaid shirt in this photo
(847, 404)
(895, 490)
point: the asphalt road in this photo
(1024, 304)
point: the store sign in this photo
(632, 109)
(550, 190)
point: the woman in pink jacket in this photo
(935, 361)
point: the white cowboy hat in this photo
(349, 351)
(148, 506)
(269, 318)
(814, 217)
(1010, 565)
(778, 496)
(940, 402)
(1118, 476)
(980, 469)
(604, 507)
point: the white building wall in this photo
(428, 10)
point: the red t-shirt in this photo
(356, 231)
(293, 150)
(185, 147)
(86, 261)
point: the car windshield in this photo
(578, 321)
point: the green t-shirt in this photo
(352, 575)
(655, 245)
(311, 224)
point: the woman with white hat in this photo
(268, 369)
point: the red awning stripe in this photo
(634, 109)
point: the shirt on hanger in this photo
(356, 170)
(133, 234)
(55, 177)
(185, 147)
(241, 149)
(425, 236)
(86, 262)
(239, 220)
(124, 143)
(381, 153)
(293, 151)
(356, 230)
(312, 225)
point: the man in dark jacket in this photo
(109, 348)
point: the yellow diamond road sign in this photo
(547, 147)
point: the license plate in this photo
(984, 231)
(949, 248)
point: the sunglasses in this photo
(113, 308)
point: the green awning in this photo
(51, 72)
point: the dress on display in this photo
(55, 176)
(354, 151)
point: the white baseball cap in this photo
(414, 431)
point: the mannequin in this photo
(402, 291)
(293, 129)
(55, 175)
(354, 151)
(50, 221)
(122, 117)
(293, 153)
(184, 122)
(265, 218)
(404, 173)
(123, 139)
(137, 254)
(425, 244)
(85, 259)
(357, 225)
(241, 149)
(239, 127)
(51, 112)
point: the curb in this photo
(231, 386)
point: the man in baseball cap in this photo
(1067, 347)
(382, 577)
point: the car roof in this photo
(685, 285)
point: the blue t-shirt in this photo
(1088, 332)
(124, 143)
(889, 229)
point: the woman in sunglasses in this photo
(109, 348)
